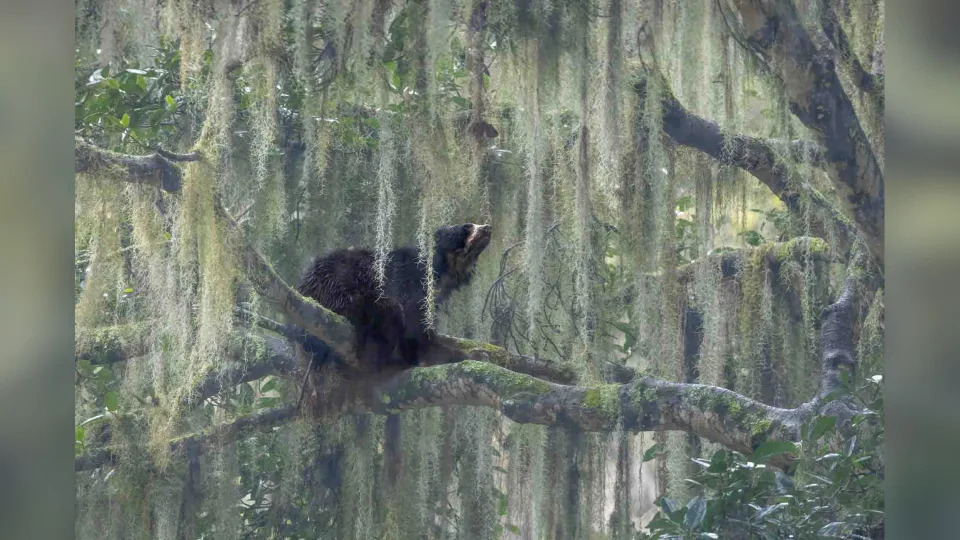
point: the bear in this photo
(390, 322)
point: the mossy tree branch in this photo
(156, 169)
(756, 156)
(646, 404)
(861, 76)
(230, 431)
(774, 31)
(111, 344)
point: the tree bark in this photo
(754, 155)
(774, 30)
(156, 169)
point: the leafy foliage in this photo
(835, 491)
(131, 103)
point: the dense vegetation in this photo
(680, 191)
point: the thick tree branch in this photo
(754, 155)
(320, 322)
(646, 404)
(838, 358)
(111, 344)
(156, 169)
(861, 76)
(232, 431)
(775, 32)
(775, 253)
(277, 359)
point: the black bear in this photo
(393, 318)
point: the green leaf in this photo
(668, 505)
(267, 402)
(834, 529)
(821, 426)
(128, 290)
(772, 448)
(171, 103)
(94, 419)
(650, 453)
(770, 509)
(752, 238)
(696, 510)
(79, 433)
(718, 462)
(125, 121)
(110, 401)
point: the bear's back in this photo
(341, 281)
(405, 276)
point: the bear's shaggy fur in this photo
(390, 322)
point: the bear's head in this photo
(456, 249)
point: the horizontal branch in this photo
(231, 431)
(111, 344)
(647, 404)
(156, 169)
(277, 359)
(774, 253)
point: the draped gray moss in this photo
(681, 246)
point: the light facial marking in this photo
(477, 232)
